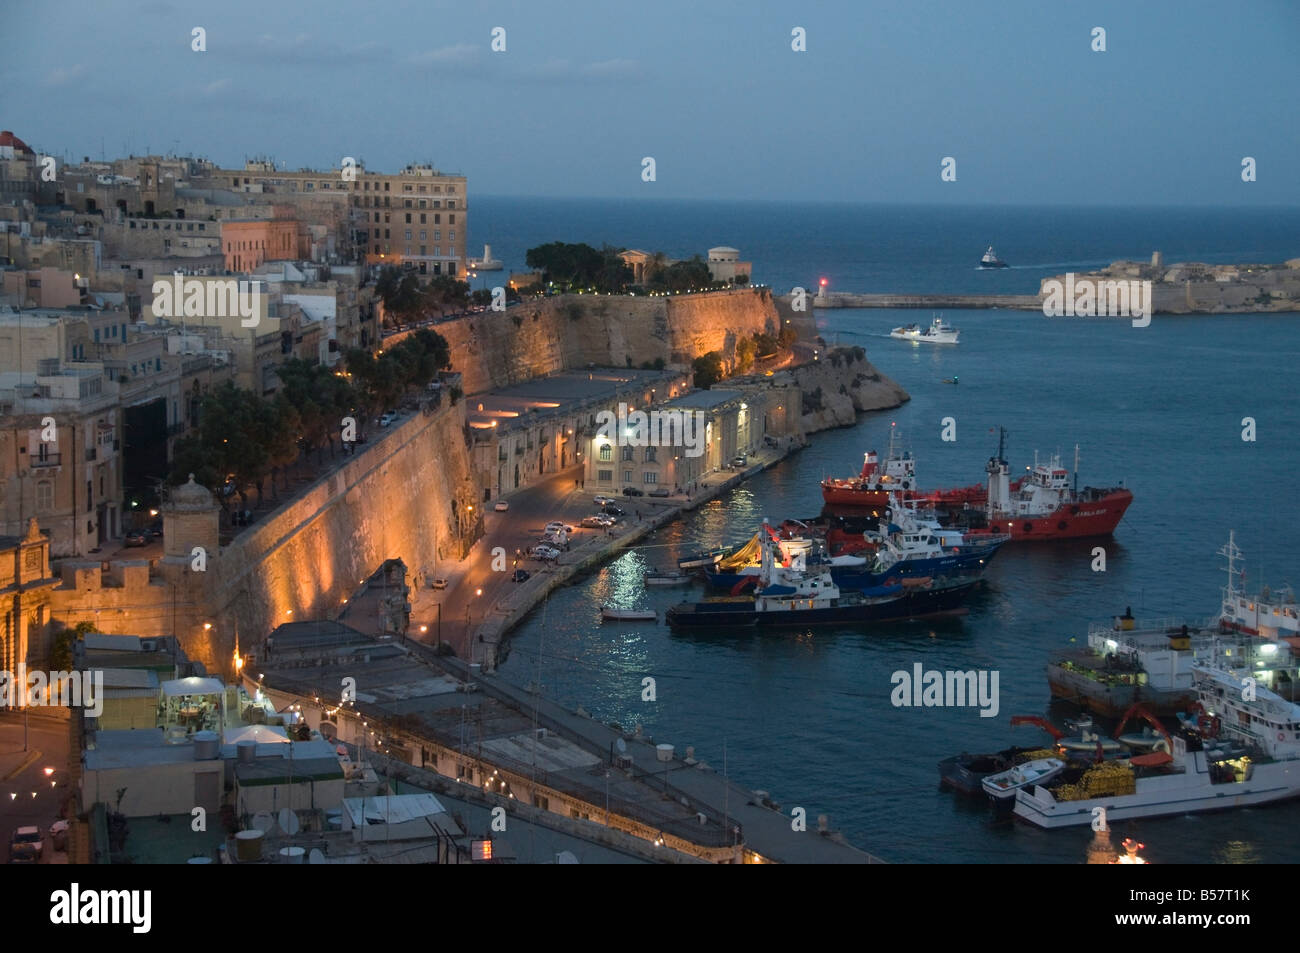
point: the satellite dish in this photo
(315, 857)
(264, 822)
(621, 745)
(288, 821)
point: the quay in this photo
(844, 299)
(427, 719)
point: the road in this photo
(18, 806)
(474, 587)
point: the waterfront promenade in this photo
(844, 299)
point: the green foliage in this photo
(745, 351)
(708, 369)
(61, 655)
(683, 275)
(656, 365)
(787, 337)
(481, 298)
(766, 344)
(579, 266)
(742, 279)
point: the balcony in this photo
(49, 460)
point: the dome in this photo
(190, 496)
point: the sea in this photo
(1164, 410)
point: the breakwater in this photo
(844, 299)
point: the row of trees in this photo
(253, 439)
(579, 267)
(405, 300)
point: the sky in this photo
(713, 92)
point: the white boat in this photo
(991, 260)
(627, 615)
(1005, 784)
(1250, 755)
(486, 263)
(1271, 615)
(939, 332)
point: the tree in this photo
(62, 656)
(787, 337)
(745, 351)
(577, 265)
(684, 275)
(708, 369)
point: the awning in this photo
(193, 686)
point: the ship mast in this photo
(1232, 553)
(1076, 469)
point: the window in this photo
(423, 216)
(408, 234)
(606, 453)
(437, 204)
(649, 477)
(44, 496)
(423, 236)
(437, 218)
(649, 454)
(627, 454)
(437, 234)
(451, 236)
(627, 476)
(408, 218)
(422, 250)
(451, 219)
(604, 476)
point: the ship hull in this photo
(1113, 700)
(1177, 793)
(1071, 521)
(913, 604)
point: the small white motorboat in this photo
(939, 332)
(1005, 784)
(627, 615)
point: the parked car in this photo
(614, 510)
(137, 537)
(544, 553)
(602, 500)
(501, 506)
(738, 462)
(59, 835)
(632, 491)
(556, 526)
(387, 419)
(593, 522)
(520, 575)
(26, 846)
(438, 583)
(661, 492)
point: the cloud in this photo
(300, 50)
(65, 76)
(566, 71)
(214, 88)
(462, 54)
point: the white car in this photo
(594, 522)
(501, 506)
(602, 500)
(558, 527)
(387, 419)
(545, 553)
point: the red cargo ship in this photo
(872, 487)
(1044, 506)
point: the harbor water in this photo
(808, 716)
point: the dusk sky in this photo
(713, 92)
